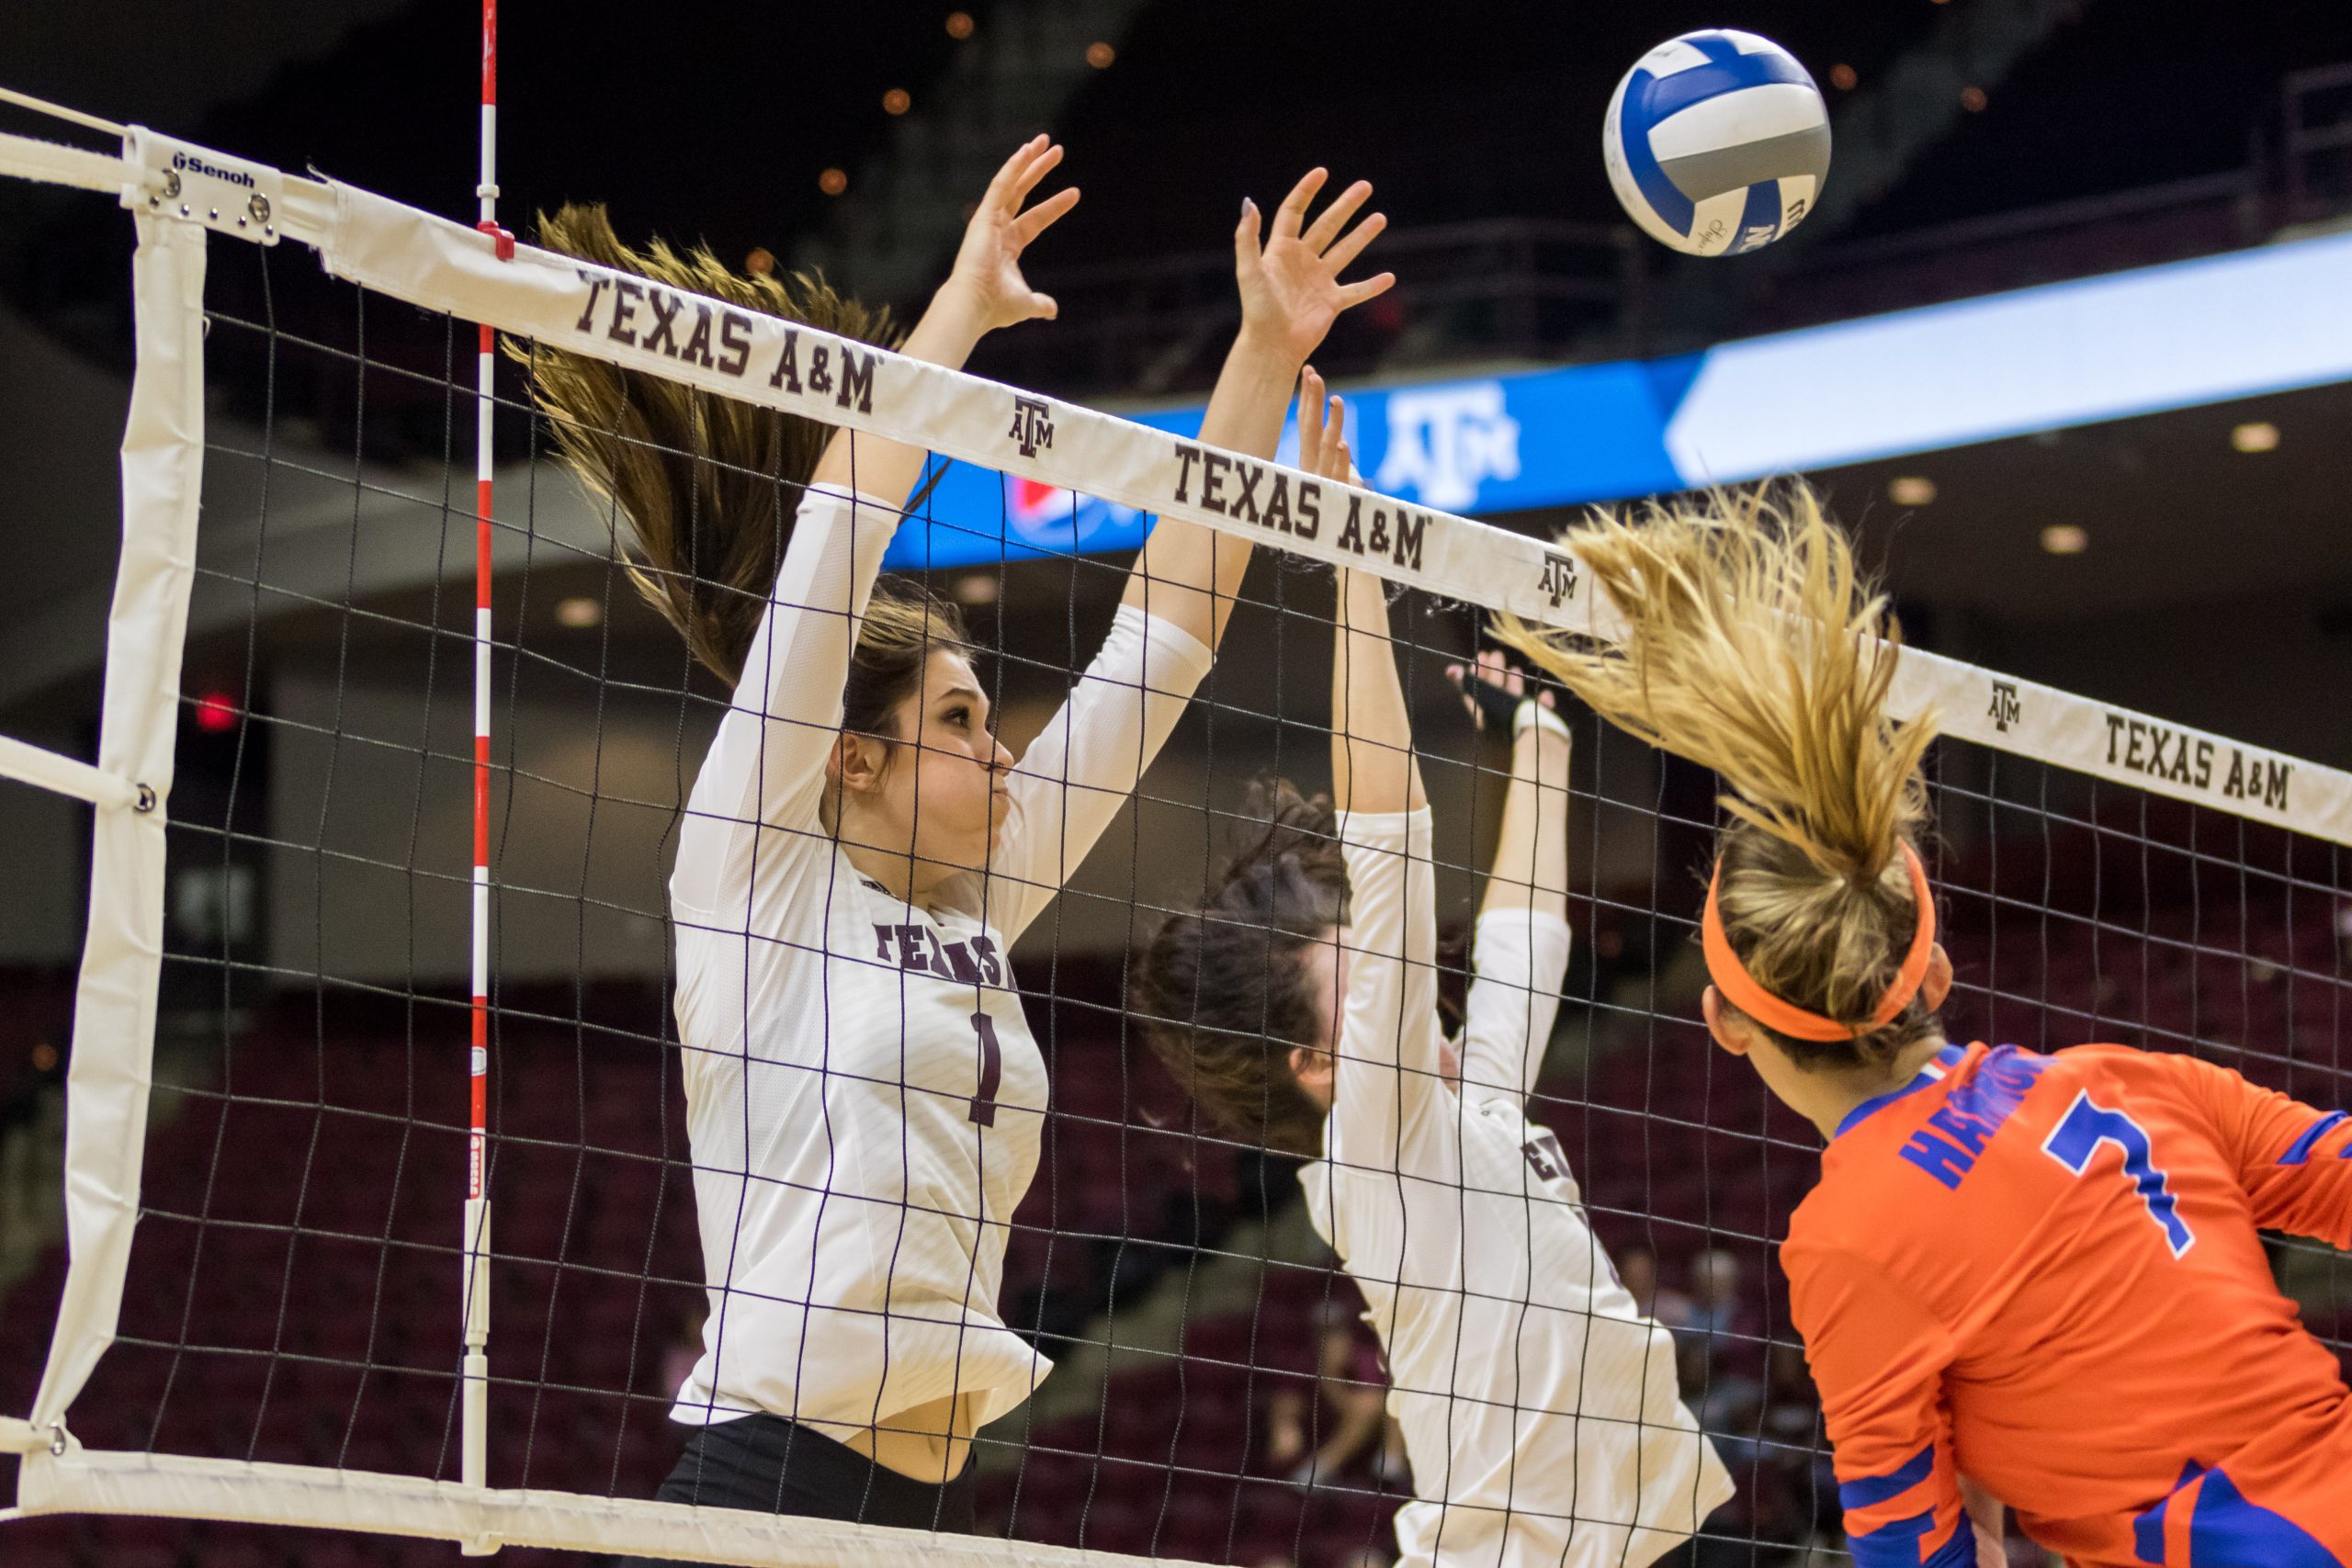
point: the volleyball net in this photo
(273, 1269)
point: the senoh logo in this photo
(2005, 710)
(187, 164)
(1033, 426)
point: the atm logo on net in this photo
(1444, 443)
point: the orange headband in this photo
(1740, 990)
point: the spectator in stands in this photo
(1714, 1293)
(1638, 1271)
(1349, 1402)
(1714, 1349)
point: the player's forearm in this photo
(1371, 734)
(1991, 1520)
(949, 330)
(1189, 574)
(1530, 864)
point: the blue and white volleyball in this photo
(1717, 143)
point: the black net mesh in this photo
(293, 1294)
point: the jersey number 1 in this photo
(991, 1070)
(2076, 1140)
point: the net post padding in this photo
(114, 1008)
(96, 1481)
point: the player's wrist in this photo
(1539, 718)
(1263, 350)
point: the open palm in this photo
(988, 264)
(1291, 291)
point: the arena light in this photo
(2255, 436)
(579, 613)
(1101, 55)
(1842, 78)
(2065, 539)
(976, 588)
(216, 713)
(832, 182)
(896, 101)
(1911, 490)
(959, 24)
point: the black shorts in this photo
(770, 1465)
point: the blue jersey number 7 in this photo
(2076, 1140)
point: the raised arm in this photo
(1080, 770)
(1388, 1073)
(767, 761)
(984, 291)
(1522, 951)
(1372, 767)
(1291, 294)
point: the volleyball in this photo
(1717, 143)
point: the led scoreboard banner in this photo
(2134, 343)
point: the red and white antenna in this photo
(475, 1428)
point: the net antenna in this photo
(475, 1263)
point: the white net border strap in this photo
(91, 1481)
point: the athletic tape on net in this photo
(410, 255)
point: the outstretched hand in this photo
(988, 264)
(1492, 690)
(1291, 291)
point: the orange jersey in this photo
(2043, 1273)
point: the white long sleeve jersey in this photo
(864, 1095)
(1538, 1406)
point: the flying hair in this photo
(707, 485)
(1755, 646)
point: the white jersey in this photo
(1538, 1406)
(863, 1096)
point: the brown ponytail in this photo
(1755, 647)
(1222, 993)
(708, 485)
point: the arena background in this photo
(1985, 145)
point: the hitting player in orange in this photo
(2023, 1279)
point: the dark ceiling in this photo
(717, 122)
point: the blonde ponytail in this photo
(1755, 647)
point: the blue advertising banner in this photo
(2134, 343)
